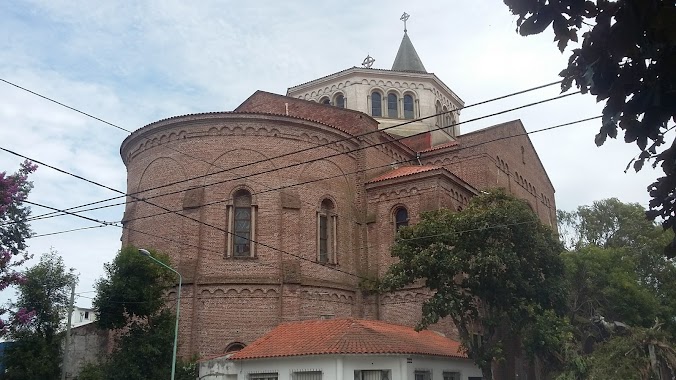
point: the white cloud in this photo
(132, 63)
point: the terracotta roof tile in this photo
(440, 146)
(347, 336)
(404, 171)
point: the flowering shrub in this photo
(14, 231)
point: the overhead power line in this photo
(324, 178)
(105, 223)
(314, 147)
(145, 199)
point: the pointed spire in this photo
(407, 58)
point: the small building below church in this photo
(344, 349)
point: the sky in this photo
(132, 63)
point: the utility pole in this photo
(70, 316)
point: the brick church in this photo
(286, 207)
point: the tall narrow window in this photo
(326, 232)
(241, 214)
(437, 109)
(408, 107)
(376, 104)
(400, 218)
(242, 224)
(392, 106)
(340, 101)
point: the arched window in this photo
(234, 347)
(408, 107)
(241, 225)
(376, 104)
(392, 109)
(325, 101)
(326, 232)
(437, 111)
(400, 218)
(445, 118)
(340, 101)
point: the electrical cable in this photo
(314, 147)
(132, 195)
(350, 173)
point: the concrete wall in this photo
(87, 344)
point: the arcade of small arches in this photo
(504, 166)
(392, 105)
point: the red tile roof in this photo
(348, 336)
(404, 171)
(440, 146)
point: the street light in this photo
(145, 252)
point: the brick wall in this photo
(229, 299)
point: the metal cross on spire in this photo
(403, 18)
(368, 61)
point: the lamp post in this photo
(145, 252)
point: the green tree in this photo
(131, 298)
(626, 58)
(493, 268)
(133, 288)
(617, 268)
(44, 298)
(617, 273)
(642, 355)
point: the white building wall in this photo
(358, 86)
(338, 367)
(82, 316)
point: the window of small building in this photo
(306, 375)
(408, 107)
(376, 104)
(339, 101)
(400, 218)
(264, 376)
(382, 374)
(422, 375)
(448, 375)
(326, 232)
(392, 109)
(325, 101)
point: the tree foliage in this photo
(133, 288)
(619, 285)
(493, 268)
(626, 58)
(14, 230)
(617, 268)
(43, 299)
(131, 298)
